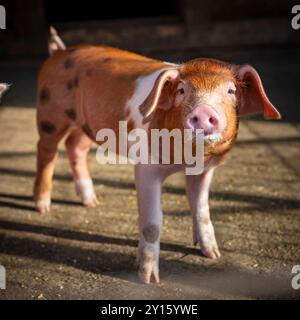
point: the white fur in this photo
(213, 138)
(143, 86)
(85, 188)
(43, 204)
(171, 64)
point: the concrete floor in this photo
(78, 253)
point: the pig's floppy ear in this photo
(149, 105)
(252, 96)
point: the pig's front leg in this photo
(197, 187)
(148, 181)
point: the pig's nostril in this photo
(213, 120)
(205, 117)
(195, 119)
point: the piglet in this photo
(87, 88)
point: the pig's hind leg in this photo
(46, 158)
(78, 145)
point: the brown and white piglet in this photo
(88, 88)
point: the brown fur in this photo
(87, 130)
(206, 74)
(87, 80)
(95, 71)
(84, 77)
(98, 81)
(47, 127)
(71, 113)
(202, 75)
(44, 95)
(69, 63)
(130, 125)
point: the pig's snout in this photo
(206, 118)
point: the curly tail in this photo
(55, 43)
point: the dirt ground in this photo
(78, 253)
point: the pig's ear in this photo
(251, 94)
(160, 94)
(3, 88)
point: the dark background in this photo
(257, 32)
(147, 26)
(255, 200)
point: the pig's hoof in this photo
(212, 253)
(90, 202)
(43, 205)
(85, 189)
(147, 261)
(146, 272)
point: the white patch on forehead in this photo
(143, 87)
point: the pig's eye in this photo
(231, 91)
(181, 91)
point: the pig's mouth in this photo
(209, 139)
(212, 138)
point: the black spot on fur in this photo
(106, 60)
(70, 85)
(47, 127)
(87, 130)
(76, 81)
(44, 95)
(73, 83)
(69, 63)
(151, 233)
(71, 113)
(89, 72)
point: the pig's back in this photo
(92, 84)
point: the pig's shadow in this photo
(121, 264)
(11, 204)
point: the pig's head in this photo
(210, 95)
